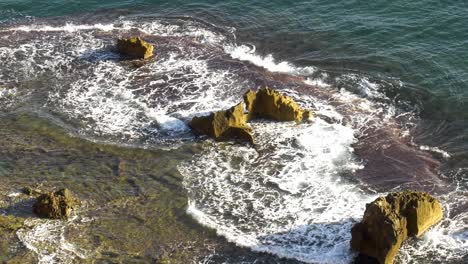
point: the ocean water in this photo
(387, 80)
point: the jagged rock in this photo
(135, 47)
(270, 104)
(380, 234)
(224, 125)
(232, 123)
(56, 205)
(389, 220)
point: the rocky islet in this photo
(389, 221)
(232, 124)
(135, 48)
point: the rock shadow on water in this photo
(233, 254)
(21, 208)
(326, 242)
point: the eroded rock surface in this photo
(232, 123)
(224, 125)
(270, 104)
(135, 47)
(56, 205)
(388, 221)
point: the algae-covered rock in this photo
(389, 220)
(11, 248)
(135, 47)
(270, 104)
(56, 205)
(224, 125)
(10, 223)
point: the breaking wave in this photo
(294, 195)
(290, 197)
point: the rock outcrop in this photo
(224, 125)
(270, 104)
(56, 205)
(232, 123)
(135, 47)
(389, 220)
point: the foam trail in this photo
(151, 28)
(246, 53)
(317, 82)
(436, 150)
(46, 238)
(291, 198)
(69, 27)
(288, 198)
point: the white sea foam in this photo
(436, 150)
(47, 239)
(363, 86)
(108, 98)
(316, 82)
(68, 27)
(247, 53)
(288, 197)
(190, 29)
(447, 242)
(153, 28)
(14, 194)
(321, 107)
(6, 93)
(7, 97)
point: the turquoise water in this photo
(422, 43)
(420, 46)
(395, 68)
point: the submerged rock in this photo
(389, 220)
(10, 223)
(224, 125)
(56, 205)
(135, 47)
(31, 191)
(12, 249)
(270, 104)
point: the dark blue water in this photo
(415, 53)
(423, 43)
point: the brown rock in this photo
(389, 220)
(232, 123)
(421, 210)
(55, 205)
(135, 47)
(381, 232)
(224, 125)
(249, 99)
(270, 104)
